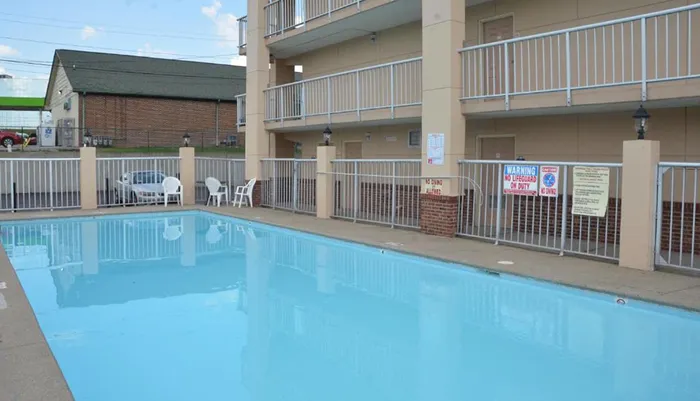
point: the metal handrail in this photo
(583, 27)
(338, 74)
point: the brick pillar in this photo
(438, 215)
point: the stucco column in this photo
(257, 144)
(187, 175)
(324, 181)
(88, 178)
(640, 160)
(443, 34)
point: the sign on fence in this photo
(436, 149)
(591, 188)
(520, 180)
(549, 181)
(433, 186)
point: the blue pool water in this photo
(200, 307)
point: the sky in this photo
(31, 30)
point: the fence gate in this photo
(676, 241)
(289, 184)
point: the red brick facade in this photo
(687, 214)
(438, 214)
(143, 121)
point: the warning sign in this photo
(549, 181)
(520, 180)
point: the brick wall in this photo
(438, 215)
(137, 122)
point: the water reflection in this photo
(250, 313)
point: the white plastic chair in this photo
(172, 186)
(244, 192)
(215, 190)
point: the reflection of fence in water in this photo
(538, 221)
(34, 183)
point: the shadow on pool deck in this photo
(29, 371)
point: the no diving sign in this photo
(549, 181)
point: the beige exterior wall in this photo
(591, 137)
(400, 43)
(385, 142)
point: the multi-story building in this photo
(501, 79)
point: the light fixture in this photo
(186, 139)
(87, 139)
(327, 136)
(641, 119)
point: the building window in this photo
(414, 138)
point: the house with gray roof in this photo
(133, 101)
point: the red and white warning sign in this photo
(549, 181)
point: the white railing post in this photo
(328, 89)
(51, 185)
(499, 204)
(564, 213)
(274, 183)
(393, 194)
(12, 186)
(295, 176)
(391, 88)
(507, 79)
(356, 195)
(283, 16)
(568, 69)
(659, 212)
(303, 101)
(329, 7)
(281, 94)
(644, 59)
(357, 93)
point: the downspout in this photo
(82, 117)
(217, 122)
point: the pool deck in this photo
(28, 370)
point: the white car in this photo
(140, 187)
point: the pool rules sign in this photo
(549, 181)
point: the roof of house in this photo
(119, 74)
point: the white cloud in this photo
(6, 50)
(226, 24)
(88, 32)
(149, 51)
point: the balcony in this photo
(618, 63)
(242, 34)
(240, 112)
(382, 92)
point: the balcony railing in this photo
(240, 110)
(642, 49)
(242, 31)
(283, 15)
(385, 86)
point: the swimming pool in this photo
(195, 306)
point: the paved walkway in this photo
(29, 371)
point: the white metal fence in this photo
(636, 50)
(230, 172)
(283, 15)
(289, 184)
(377, 191)
(677, 222)
(133, 180)
(487, 210)
(35, 184)
(385, 86)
